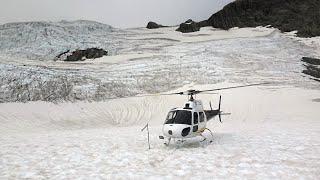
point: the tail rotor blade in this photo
(219, 103)
(219, 109)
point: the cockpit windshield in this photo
(179, 117)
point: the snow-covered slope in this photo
(272, 133)
(156, 61)
(45, 40)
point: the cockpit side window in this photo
(170, 119)
(170, 115)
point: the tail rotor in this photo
(219, 111)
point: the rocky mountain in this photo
(45, 40)
(287, 15)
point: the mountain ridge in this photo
(286, 15)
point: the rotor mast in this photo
(191, 93)
(191, 97)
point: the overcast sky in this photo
(118, 13)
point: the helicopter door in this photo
(202, 123)
(195, 121)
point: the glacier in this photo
(75, 120)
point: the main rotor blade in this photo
(193, 92)
(232, 87)
(209, 93)
(168, 94)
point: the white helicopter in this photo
(191, 120)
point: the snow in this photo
(206, 34)
(313, 42)
(45, 40)
(272, 132)
(147, 63)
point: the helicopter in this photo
(191, 120)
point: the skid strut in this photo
(204, 138)
(167, 143)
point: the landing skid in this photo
(204, 138)
(179, 141)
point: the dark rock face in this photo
(312, 71)
(153, 25)
(309, 60)
(286, 15)
(311, 67)
(90, 53)
(189, 26)
(203, 23)
(63, 53)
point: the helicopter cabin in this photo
(191, 114)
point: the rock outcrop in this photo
(286, 15)
(312, 67)
(312, 71)
(79, 55)
(153, 25)
(309, 60)
(189, 26)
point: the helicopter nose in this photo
(176, 130)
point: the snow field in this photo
(271, 133)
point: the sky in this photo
(118, 13)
